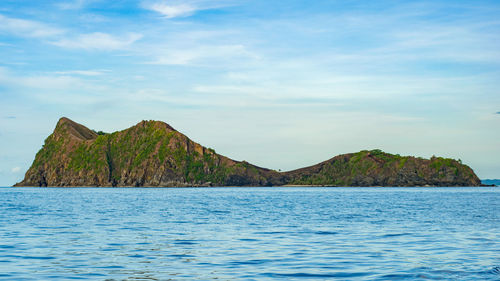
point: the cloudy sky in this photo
(281, 84)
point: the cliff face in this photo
(152, 153)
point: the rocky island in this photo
(152, 154)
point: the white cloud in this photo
(72, 5)
(199, 54)
(83, 72)
(98, 41)
(39, 81)
(50, 82)
(16, 170)
(173, 11)
(27, 28)
(185, 8)
(42, 83)
(89, 41)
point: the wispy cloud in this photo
(51, 82)
(72, 5)
(47, 82)
(98, 41)
(54, 89)
(179, 9)
(61, 38)
(173, 11)
(83, 72)
(27, 28)
(15, 170)
(200, 54)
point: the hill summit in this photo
(152, 153)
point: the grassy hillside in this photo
(377, 168)
(152, 153)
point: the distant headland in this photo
(154, 154)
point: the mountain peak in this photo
(155, 123)
(68, 126)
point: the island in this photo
(153, 154)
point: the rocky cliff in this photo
(152, 153)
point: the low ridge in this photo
(152, 153)
(377, 168)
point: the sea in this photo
(236, 233)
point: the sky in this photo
(280, 84)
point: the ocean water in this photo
(250, 233)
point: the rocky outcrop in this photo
(377, 168)
(152, 153)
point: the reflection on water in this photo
(250, 233)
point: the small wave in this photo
(219, 212)
(110, 249)
(496, 270)
(111, 267)
(399, 276)
(185, 242)
(136, 256)
(180, 256)
(256, 261)
(37, 258)
(480, 239)
(93, 274)
(271, 232)
(395, 235)
(326, 232)
(316, 275)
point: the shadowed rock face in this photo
(152, 153)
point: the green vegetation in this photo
(47, 155)
(438, 162)
(151, 153)
(88, 157)
(375, 167)
(100, 133)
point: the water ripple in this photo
(250, 234)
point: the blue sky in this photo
(282, 84)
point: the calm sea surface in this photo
(250, 233)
